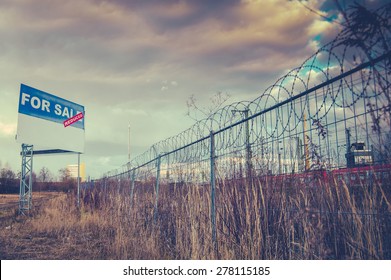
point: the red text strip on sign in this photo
(73, 119)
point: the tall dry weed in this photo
(257, 220)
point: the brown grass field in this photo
(264, 221)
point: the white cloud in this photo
(7, 129)
(104, 160)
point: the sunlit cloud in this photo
(7, 129)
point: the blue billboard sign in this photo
(40, 104)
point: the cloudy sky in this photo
(140, 61)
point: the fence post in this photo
(155, 212)
(249, 166)
(119, 183)
(213, 189)
(132, 187)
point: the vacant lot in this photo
(329, 221)
(18, 239)
(57, 229)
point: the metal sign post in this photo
(78, 180)
(26, 183)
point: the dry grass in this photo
(262, 221)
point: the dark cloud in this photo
(331, 7)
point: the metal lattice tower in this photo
(26, 183)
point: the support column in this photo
(78, 180)
(26, 182)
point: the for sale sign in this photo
(49, 121)
(40, 104)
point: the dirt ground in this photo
(18, 241)
(10, 200)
